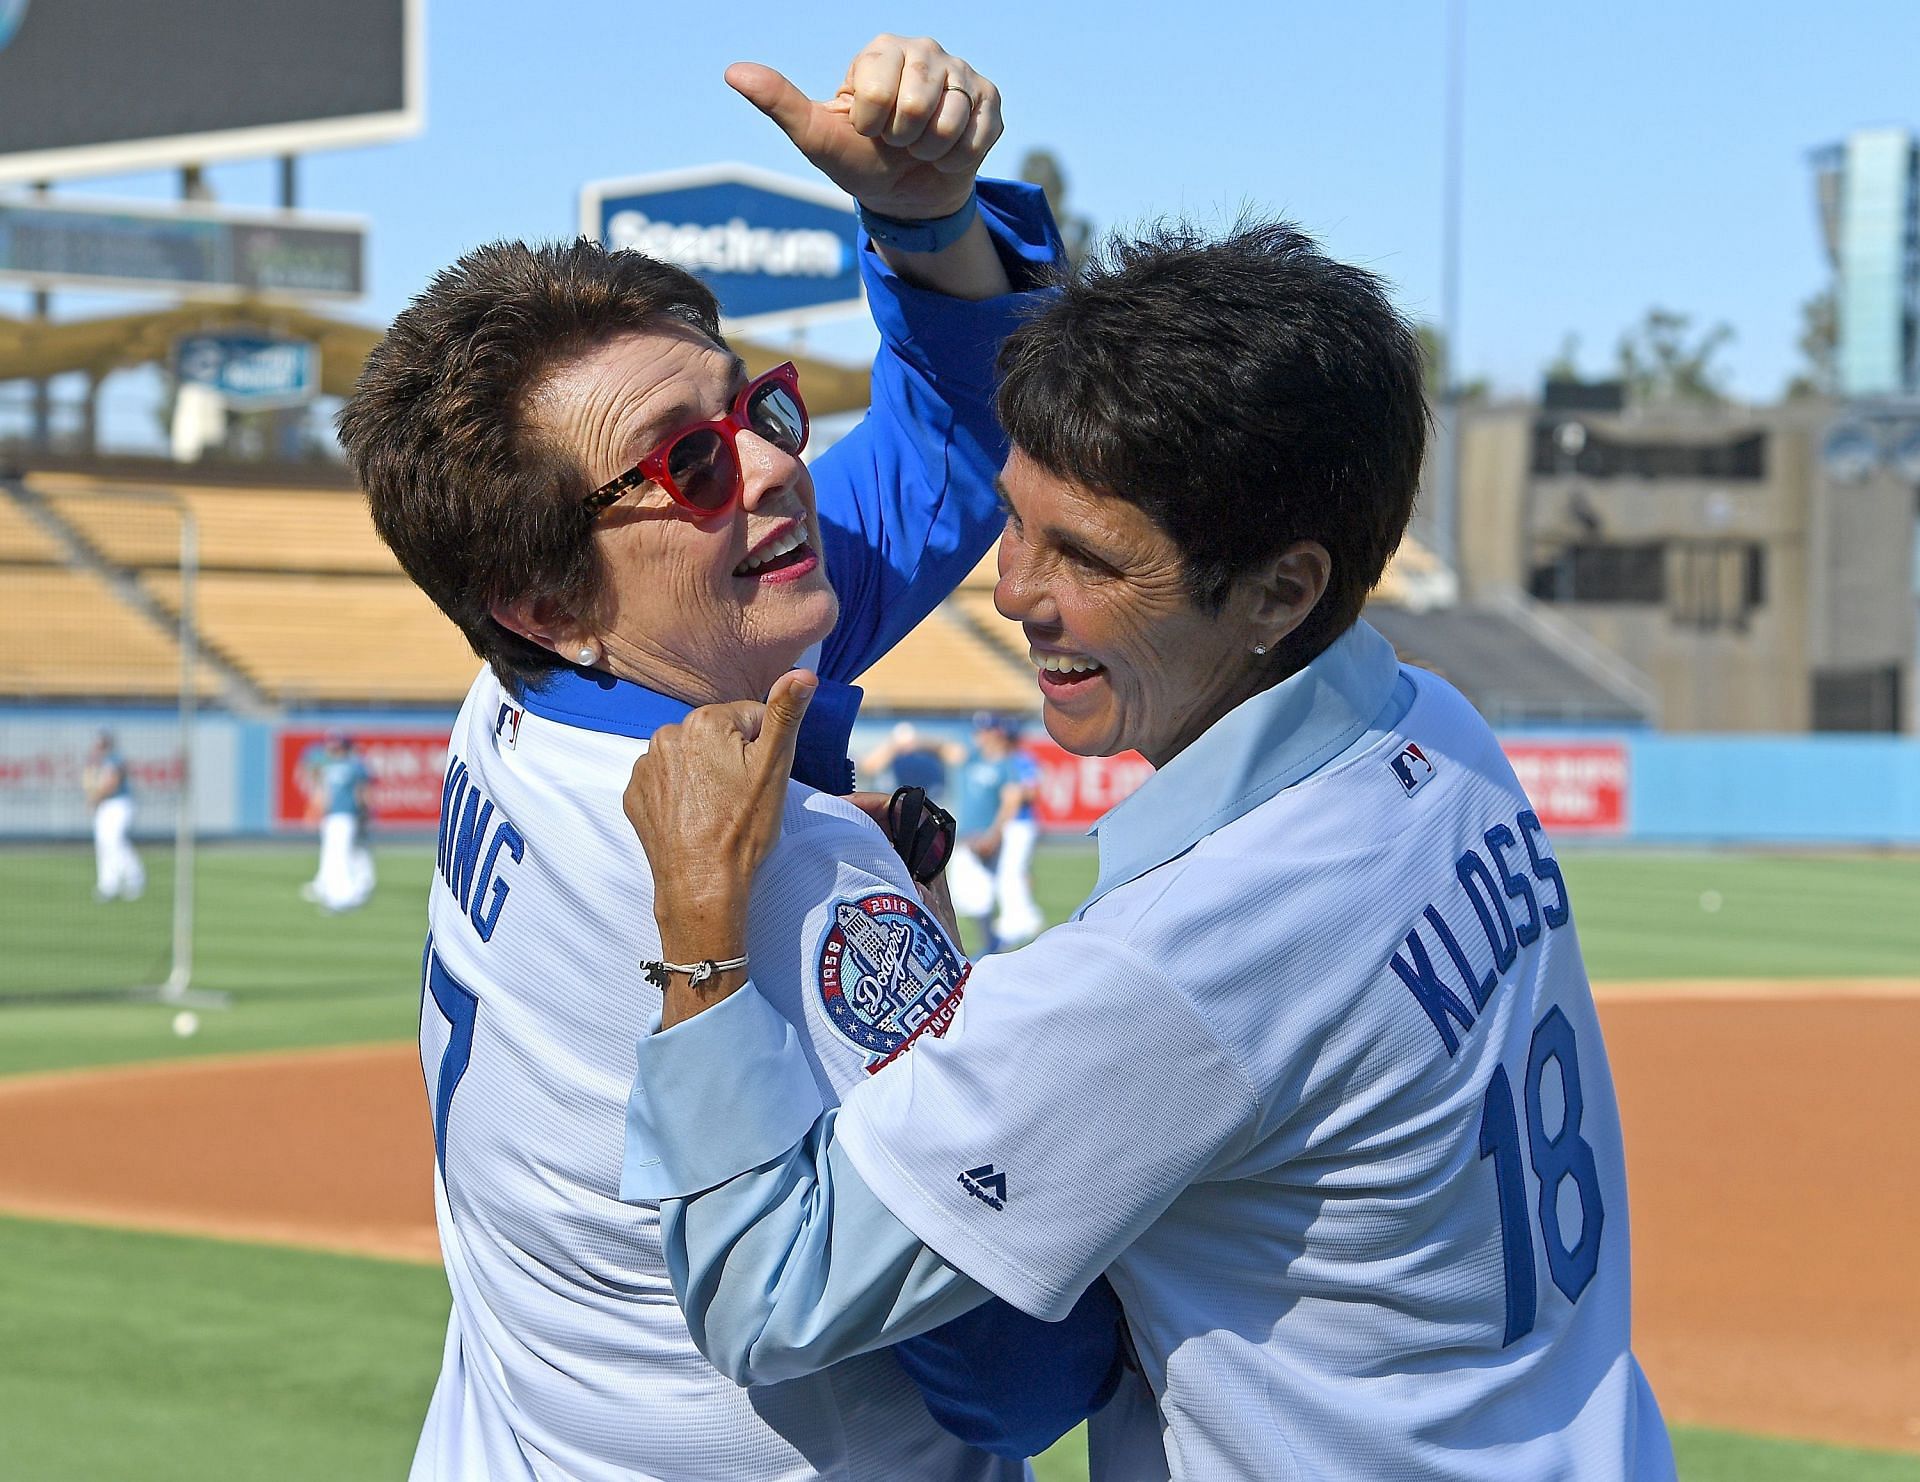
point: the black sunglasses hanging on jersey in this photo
(921, 831)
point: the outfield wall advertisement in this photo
(1626, 788)
(1076, 790)
(1577, 787)
(43, 762)
(405, 770)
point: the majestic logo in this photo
(887, 973)
(987, 1184)
(12, 13)
(1413, 769)
(506, 726)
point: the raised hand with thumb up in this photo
(905, 132)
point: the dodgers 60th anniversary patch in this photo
(886, 971)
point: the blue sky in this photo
(1617, 156)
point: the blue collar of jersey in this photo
(595, 701)
(1263, 745)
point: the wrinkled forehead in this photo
(621, 395)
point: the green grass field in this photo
(163, 1357)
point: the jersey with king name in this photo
(567, 1356)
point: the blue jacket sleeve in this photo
(785, 1261)
(1012, 1384)
(906, 500)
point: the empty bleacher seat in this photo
(119, 655)
(305, 638)
(941, 665)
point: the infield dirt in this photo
(1775, 1203)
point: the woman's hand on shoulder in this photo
(706, 802)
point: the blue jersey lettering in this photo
(1487, 893)
(472, 842)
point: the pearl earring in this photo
(587, 654)
(1260, 648)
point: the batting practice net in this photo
(98, 681)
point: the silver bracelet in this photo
(697, 972)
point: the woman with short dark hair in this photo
(1314, 1076)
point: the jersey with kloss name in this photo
(1325, 1096)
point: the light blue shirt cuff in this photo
(717, 1094)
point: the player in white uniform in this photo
(118, 873)
(566, 1356)
(1315, 1074)
(337, 780)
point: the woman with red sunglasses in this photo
(564, 452)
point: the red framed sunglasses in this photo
(699, 466)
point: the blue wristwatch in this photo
(920, 236)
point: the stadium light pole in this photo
(1447, 516)
(41, 436)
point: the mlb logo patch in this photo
(885, 971)
(1411, 768)
(506, 726)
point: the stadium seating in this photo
(237, 528)
(1511, 675)
(23, 541)
(295, 592)
(944, 665)
(297, 596)
(306, 638)
(126, 657)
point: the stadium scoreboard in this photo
(113, 86)
(197, 251)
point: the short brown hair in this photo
(477, 505)
(1245, 391)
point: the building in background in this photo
(1869, 194)
(1756, 565)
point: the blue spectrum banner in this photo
(771, 249)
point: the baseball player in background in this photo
(117, 871)
(336, 782)
(990, 874)
(1314, 1075)
(993, 787)
(569, 459)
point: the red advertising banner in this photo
(1076, 790)
(406, 769)
(1576, 786)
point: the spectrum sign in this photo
(771, 249)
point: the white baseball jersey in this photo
(567, 1356)
(1318, 1083)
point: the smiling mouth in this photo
(788, 551)
(1061, 674)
